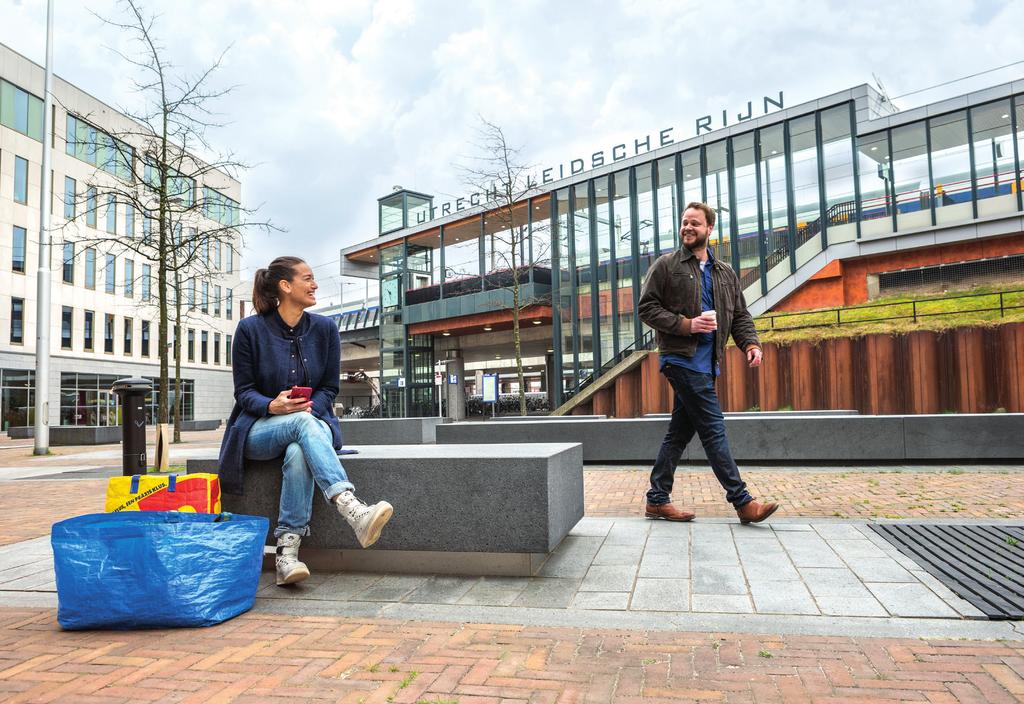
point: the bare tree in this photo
(147, 163)
(497, 171)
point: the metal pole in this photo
(42, 380)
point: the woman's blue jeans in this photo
(309, 456)
(696, 410)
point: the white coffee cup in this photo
(710, 315)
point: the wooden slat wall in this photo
(963, 370)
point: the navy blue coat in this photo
(261, 360)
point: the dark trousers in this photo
(696, 410)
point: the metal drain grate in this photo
(982, 564)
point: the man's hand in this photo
(702, 324)
(754, 356)
(282, 405)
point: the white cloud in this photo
(338, 101)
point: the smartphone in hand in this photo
(301, 392)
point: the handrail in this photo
(644, 342)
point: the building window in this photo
(85, 142)
(203, 345)
(206, 297)
(21, 111)
(20, 180)
(147, 229)
(69, 198)
(67, 315)
(837, 158)
(129, 220)
(69, 263)
(128, 325)
(216, 348)
(90, 268)
(216, 301)
(228, 303)
(90, 207)
(111, 214)
(145, 338)
(190, 292)
(108, 333)
(129, 278)
(191, 345)
(147, 273)
(216, 256)
(231, 258)
(227, 350)
(111, 274)
(18, 250)
(17, 320)
(87, 330)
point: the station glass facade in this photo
(784, 190)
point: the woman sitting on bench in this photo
(286, 372)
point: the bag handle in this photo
(135, 484)
(172, 483)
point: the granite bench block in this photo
(968, 436)
(84, 434)
(453, 498)
(389, 431)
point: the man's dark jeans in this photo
(696, 410)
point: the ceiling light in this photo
(536, 322)
(550, 350)
(874, 149)
(687, 175)
(1006, 117)
(497, 356)
(487, 328)
(446, 333)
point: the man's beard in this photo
(698, 242)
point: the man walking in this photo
(687, 297)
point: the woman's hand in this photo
(282, 405)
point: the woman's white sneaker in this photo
(289, 568)
(366, 521)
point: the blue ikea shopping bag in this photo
(156, 569)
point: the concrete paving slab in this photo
(609, 578)
(768, 567)
(721, 603)
(718, 579)
(546, 593)
(809, 550)
(717, 550)
(838, 531)
(879, 569)
(665, 566)
(911, 600)
(607, 601)
(856, 548)
(827, 582)
(494, 591)
(661, 595)
(850, 606)
(619, 554)
(782, 598)
(628, 533)
(440, 590)
(573, 557)
(590, 526)
(390, 588)
(783, 527)
(668, 546)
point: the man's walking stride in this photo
(687, 297)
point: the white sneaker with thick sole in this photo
(289, 568)
(366, 521)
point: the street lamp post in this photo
(42, 421)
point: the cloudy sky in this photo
(337, 101)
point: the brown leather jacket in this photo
(671, 297)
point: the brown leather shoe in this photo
(668, 512)
(755, 512)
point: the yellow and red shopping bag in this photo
(192, 493)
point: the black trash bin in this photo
(133, 423)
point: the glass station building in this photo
(844, 175)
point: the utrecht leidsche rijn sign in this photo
(618, 152)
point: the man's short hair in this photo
(709, 212)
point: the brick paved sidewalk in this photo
(811, 493)
(269, 658)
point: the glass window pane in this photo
(775, 203)
(837, 154)
(876, 189)
(504, 244)
(691, 183)
(584, 280)
(605, 256)
(993, 158)
(622, 235)
(745, 195)
(20, 180)
(716, 182)
(645, 217)
(69, 263)
(806, 197)
(910, 177)
(668, 206)
(69, 198)
(540, 239)
(18, 249)
(565, 299)
(951, 168)
(462, 257)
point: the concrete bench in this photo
(459, 509)
(770, 414)
(84, 434)
(193, 425)
(522, 418)
(849, 439)
(389, 431)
